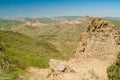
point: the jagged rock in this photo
(101, 38)
(57, 65)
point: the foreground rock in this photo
(97, 49)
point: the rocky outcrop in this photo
(59, 66)
(100, 39)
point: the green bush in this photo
(113, 71)
(7, 63)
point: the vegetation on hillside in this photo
(19, 52)
(8, 24)
(116, 23)
(27, 48)
(8, 65)
(114, 70)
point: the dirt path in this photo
(37, 73)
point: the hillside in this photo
(18, 52)
(64, 36)
(28, 51)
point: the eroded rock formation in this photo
(101, 39)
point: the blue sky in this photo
(50, 8)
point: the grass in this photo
(13, 75)
(25, 51)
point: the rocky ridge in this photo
(101, 38)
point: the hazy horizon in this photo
(10, 9)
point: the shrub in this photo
(113, 71)
(7, 63)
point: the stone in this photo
(59, 66)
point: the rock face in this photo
(101, 39)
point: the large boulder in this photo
(59, 66)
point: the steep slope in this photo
(28, 51)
